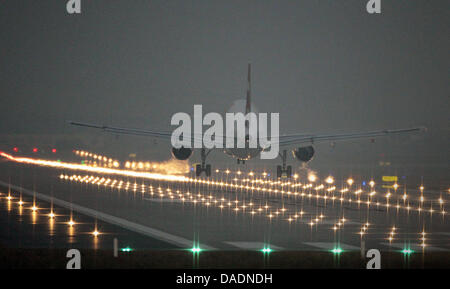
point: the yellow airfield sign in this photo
(389, 178)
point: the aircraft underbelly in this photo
(243, 153)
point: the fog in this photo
(325, 66)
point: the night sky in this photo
(325, 66)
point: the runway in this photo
(238, 211)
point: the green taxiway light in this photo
(337, 251)
(195, 250)
(407, 251)
(126, 249)
(266, 250)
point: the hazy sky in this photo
(323, 65)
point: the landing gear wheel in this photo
(279, 171)
(198, 169)
(289, 171)
(283, 169)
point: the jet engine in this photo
(181, 153)
(304, 154)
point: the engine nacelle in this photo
(181, 153)
(304, 154)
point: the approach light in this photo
(126, 249)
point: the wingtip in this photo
(423, 129)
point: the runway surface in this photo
(236, 210)
(24, 228)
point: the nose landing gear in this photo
(203, 167)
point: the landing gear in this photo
(239, 161)
(284, 170)
(203, 167)
(199, 169)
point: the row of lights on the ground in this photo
(265, 250)
(336, 250)
(270, 215)
(106, 181)
(35, 150)
(203, 199)
(51, 215)
(329, 180)
(312, 223)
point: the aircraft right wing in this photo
(317, 138)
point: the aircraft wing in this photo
(133, 131)
(121, 130)
(318, 138)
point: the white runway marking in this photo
(331, 246)
(414, 247)
(138, 228)
(253, 245)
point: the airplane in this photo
(303, 143)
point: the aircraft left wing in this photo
(121, 130)
(317, 138)
(133, 131)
